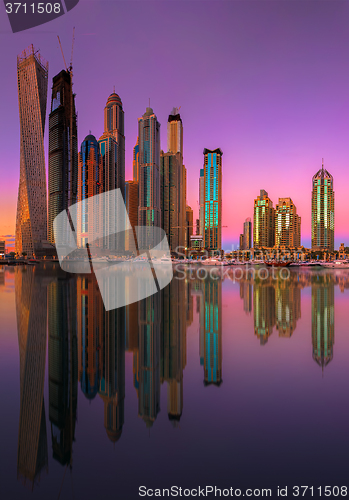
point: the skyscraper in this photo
(114, 172)
(149, 210)
(136, 161)
(112, 149)
(322, 211)
(131, 201)
(202, 201)
(189, 223)
(171, 188)
(287, 224)
(31, 220)
(263, 221)
(90, 183)
(247, 234)
(175, 133)
(63, 151)
(213, 199)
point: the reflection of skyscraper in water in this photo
(322, 319)
(90, 311)
(173, 345)
(31, 309)
(149, 358)
(112, 381)
(212, 317)
(63, 366)
(246, 295)
(287, 305)
(264, 309)
(132, 339)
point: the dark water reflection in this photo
(252, 392)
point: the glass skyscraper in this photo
(287, 224)
(247, 238)
(63, 151)
(112, 149)
(31, 220)
(263, 221)
(149, 211)
(213, 199)
(322, 211)
(90, 183)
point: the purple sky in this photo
(266, 81)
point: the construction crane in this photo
(70, 69)
(72, 51)
(65, 64)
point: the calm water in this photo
(233, 383)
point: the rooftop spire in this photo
(322, 163)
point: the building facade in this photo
(171, 192)
(287, 224)
(322, 211)
(90, 183)
(247, 243)
(189, 224)
(63, 152)
(31, 219)
(213, 199)
(131, 201)
(112, 149)
(136, 162)
(202, 201)
(149, 210)
(263, 221)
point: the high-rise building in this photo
(322, 211)
(213, 199)
(112, 149)
(136, 162)
(149, 210)
(241, 242)
(114, 126)
(247, 234)
(263, 221)
(63, 152)
(175, 133)
(197, 226)
(31, 220)
(171, 189)
(90, 183)
(189, 224)
(202, 201)
(287, 224)
(131, 201)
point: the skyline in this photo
(289, 101)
